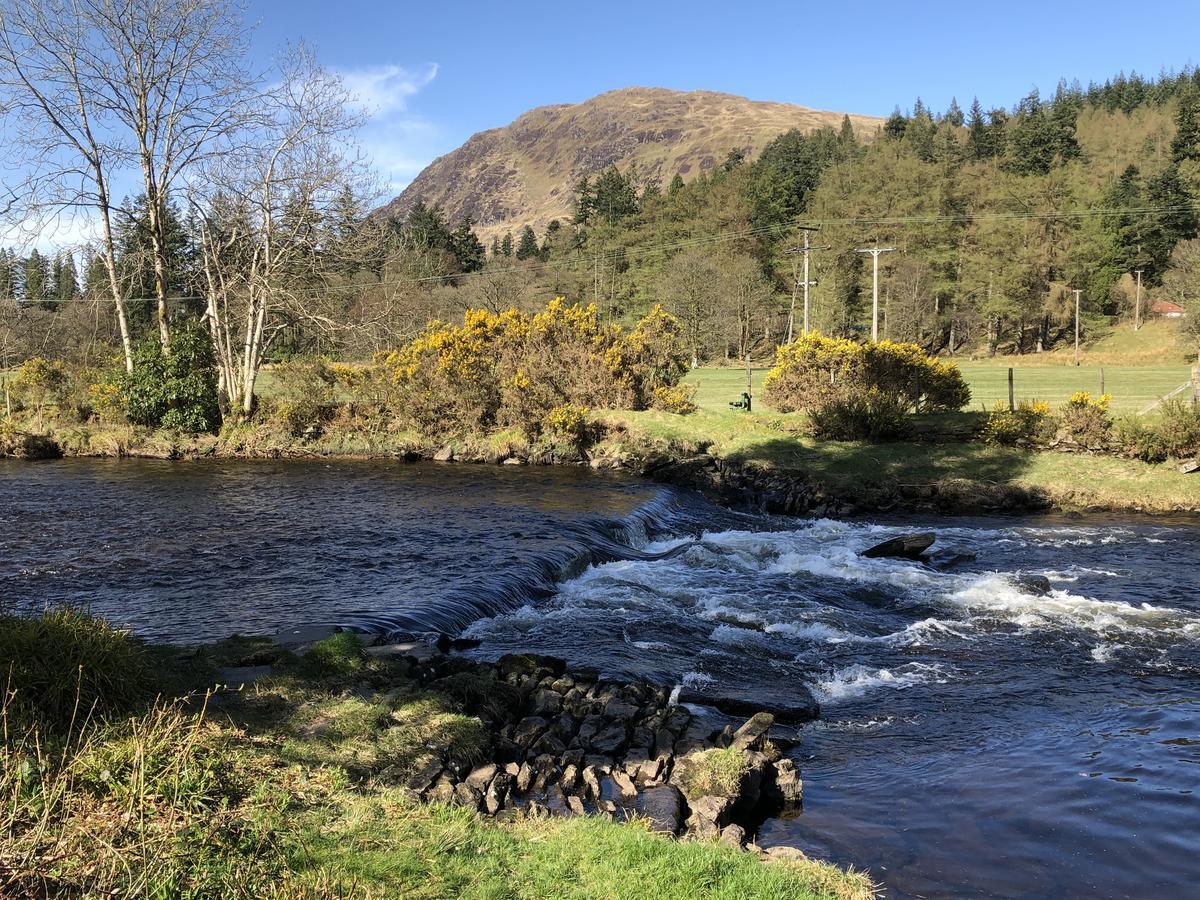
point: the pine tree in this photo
(495, 249)
(585, 200)
(467, 247)
(847, 139)
(66, 279)
(954, 115)
(896, 125)
(977, 136)
(527, 247)
(506, 245)
(1186, 143)
(675, 186)
(36, 272)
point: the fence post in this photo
(1011, 405)
(1102, 381)
(1195, 384)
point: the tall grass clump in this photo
(65, 665)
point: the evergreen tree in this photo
(1186, 143)
(66, 279)
(1174, 219)
(553, 232)
(1034, 140)
(426, 229)
(495, 250)
(36, 280)
(527, 246)
(95, 277)
(954, 115)
(847, 139)
(506, 245)
(675, 186)
(896, 125)
(585, 200)
(978, 144)
(615, 196)
(467, 247)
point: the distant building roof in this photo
(1166, 308)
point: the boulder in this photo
(1035, 584)
(786, 785)
(591, 783)
(575, 805)
(497, 793)
(465, 795)
(734, 836)
(709, 816)
(626, 792)
(610, 739)
(528, 730)
(446, 454)
(442, 790)
(906, 546)
(525, 776)
(481, 776)
(662, 805)
(798, 706)
(548, 745)
(546, 703)
(753, 733)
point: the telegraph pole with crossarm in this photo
(875, 251)
(796, 282)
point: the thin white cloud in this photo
(380, 91)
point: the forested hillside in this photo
(994, 217)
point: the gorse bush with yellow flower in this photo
(513, 370)
(1029, 425)
(861, 390)
(815, 370)
(1085, 422)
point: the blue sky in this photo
(433, 73)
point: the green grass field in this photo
(1132, 387)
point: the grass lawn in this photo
(1132, 387)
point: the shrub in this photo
(510, 370)
(177, 389)
(1086, 422)
(66, 664)
(871, 415)
(305, 395)
(41, 383)
(567, 423)
(680, 399)
(711, 773)
(1173, 434)
(1029, 425)
(815, 370)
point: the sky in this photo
(432, 74)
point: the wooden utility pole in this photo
(1077, 292)
(806, 283)
(1137, 304)
(875, 251)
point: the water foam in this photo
(856, 680)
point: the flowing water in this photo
(976, 738)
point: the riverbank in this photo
(761, 461)
(326, 768)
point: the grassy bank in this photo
(134, 771)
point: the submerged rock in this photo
(907, 546)
(1035, 584)
(802, 707)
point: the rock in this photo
(446, 454)
(513, 664)
(610, 739)
(646, 771)
(697, 736)
(709, 816)
(548, 745)
(465, 795)
(1189, 467)
(424, 774)
(512, 769)
(753, 733)
(513, 461)
(591, 783)
(576, 805)
(481, 776)
(660, 804)
(506, 750)
(546, 703)
(562, 684)
(784, 854)
(734, 836)
(570, 776)
(442, 790)
(799, 706)
(599, 762)
(907, 546)
(497, 793)
(626, 792)
(525, 776)
(528, 730)
(420, 650)
(1038, 585)
(786, 784)
(620, 709)
(947, 560)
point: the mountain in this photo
(523, 173)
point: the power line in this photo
(721, 237)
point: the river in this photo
(976, 739)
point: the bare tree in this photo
(260, 210)
(97, 90)
(689, 289)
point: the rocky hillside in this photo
(522, 173)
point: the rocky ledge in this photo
(568, 743)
